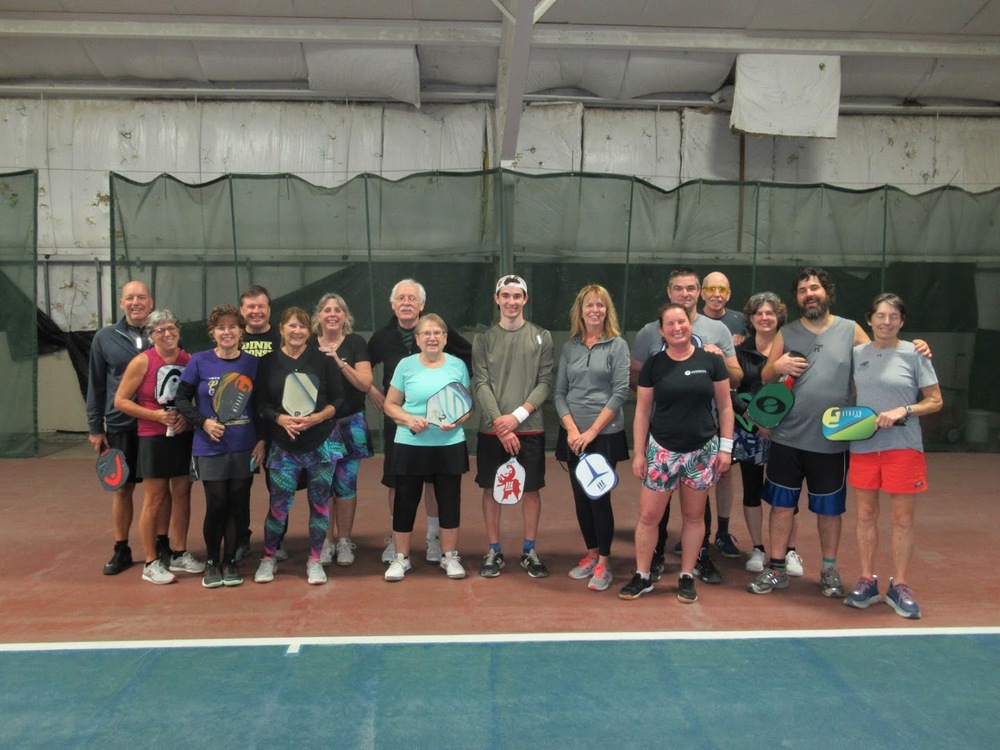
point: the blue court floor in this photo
(910, 688)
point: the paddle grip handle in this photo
(789, 380)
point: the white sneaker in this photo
(154, 572)
(433, 556)
(756, 560)
(389, 553)
(328, 553)
(397, 568)
(793, 564)
(186, 564)
(451, 564)
(265, 572)
(315, 575)
(281, 555)
(345, 552)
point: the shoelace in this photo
(600, 571)
(903, 592)
(588, 562)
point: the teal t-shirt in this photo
(417, 384)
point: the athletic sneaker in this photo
(281, 554)
(726, 544)
(231, 575)
(535, 567)
(433, 554)
(705, 569)
(315, 575)
(120, 560)
(767, 582)
(451, 564)
(635, 588)
(865, 592)
(213, 578)
(830, 584)
(584, 568)
(656, 567)
(793, 564)
(756, 560)
(686, 593)
(492, 564)
(185, 563)
(345, 552)
(328, 553)
(601, 579)
(243, 552)
(154, 572)
(265, 571)
(677, 549)
(900, 598)
(398, 568)
(389, 553)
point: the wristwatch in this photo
(909, 411)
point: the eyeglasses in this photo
(165, 329)
(428, 334)
(717, 289)
(406, 298)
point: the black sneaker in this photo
(120, 560)
(635, 588)
(492, 564)
(535, 567)
(243, 552)
(686, 593)
(656, 568)
(213, 577)
(705, 569)
(231, 575)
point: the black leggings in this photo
(223, 502)
(596, 517)
(409, 488)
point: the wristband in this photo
(520, 414)
(725, 445)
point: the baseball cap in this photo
(511, 280)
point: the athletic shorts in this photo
(665, 469)
(824, 473)
(898, 472)
(127, 441)
(162, 457)
(491, 455)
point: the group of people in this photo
(689, 369)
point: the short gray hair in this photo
(158, 317)
(421, 292)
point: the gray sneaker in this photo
(389, 553)
(584, 568)
(156, 572)
(433, 556)
(243, 552)
(327, 554)
(265, 571)
(601, 579)
(830, 584)
(281, 554)
(767, 582)
(345, 552)
(185, 563)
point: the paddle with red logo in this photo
(112, 469)
(508, 486)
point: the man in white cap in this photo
(512, 375)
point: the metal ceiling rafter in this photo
(83, 26)
(512, 76)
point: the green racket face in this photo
(771, 404)
(849, 423)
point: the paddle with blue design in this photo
(846, 423)
(449, 405)
(595, 475)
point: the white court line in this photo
(295, 644)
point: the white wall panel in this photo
(644, 143)
(550, 139)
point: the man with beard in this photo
(387, 347)
(799, 452)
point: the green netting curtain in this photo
(18, 322)
(457, 232)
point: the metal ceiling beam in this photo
(111, 26)
(512, 76)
